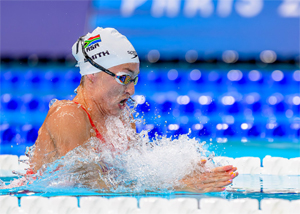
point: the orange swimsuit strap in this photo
(98, 135)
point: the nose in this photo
(130, 89)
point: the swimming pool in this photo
(257, 188)
(264, 190)
(246, 111)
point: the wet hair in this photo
(82, 81)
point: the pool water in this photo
(245, 111)
(228, 194)
(216, 102)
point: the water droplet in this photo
(52, 102)
(159, 116)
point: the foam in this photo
(156, 165)
(127, 162)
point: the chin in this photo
(116, 112)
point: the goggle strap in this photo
(93, 63)
(79, 40)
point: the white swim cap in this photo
(105, 46)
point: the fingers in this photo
(223, 183)
(210, 179)
(202, 163)
(233, 174)
(220, 189)
(232, 170)
(224, 171)
(213, 181)
(213, 185)
(214, 177)
(213, 189)
(216, 184)
(210, 187)
(216, 173)
(204, 190)
(224, 168)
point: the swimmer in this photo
(109, 68)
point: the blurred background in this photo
(228, 70)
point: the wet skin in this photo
(210, 181)
(67, 126)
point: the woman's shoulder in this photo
(68, 125)
(66, 110)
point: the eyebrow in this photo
(130, 70)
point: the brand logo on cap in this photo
(92, 40)
(132, 53)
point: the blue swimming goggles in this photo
(123, 79)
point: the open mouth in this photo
(122, 103)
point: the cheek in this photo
(109, 89)
(114, 93)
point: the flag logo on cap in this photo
(92, 40)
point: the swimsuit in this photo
(98, 135)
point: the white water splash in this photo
(153, 166)
(127, 162)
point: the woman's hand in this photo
(210, 181)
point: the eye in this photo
(127, 79)
(123, 78)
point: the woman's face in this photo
(109, 96)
